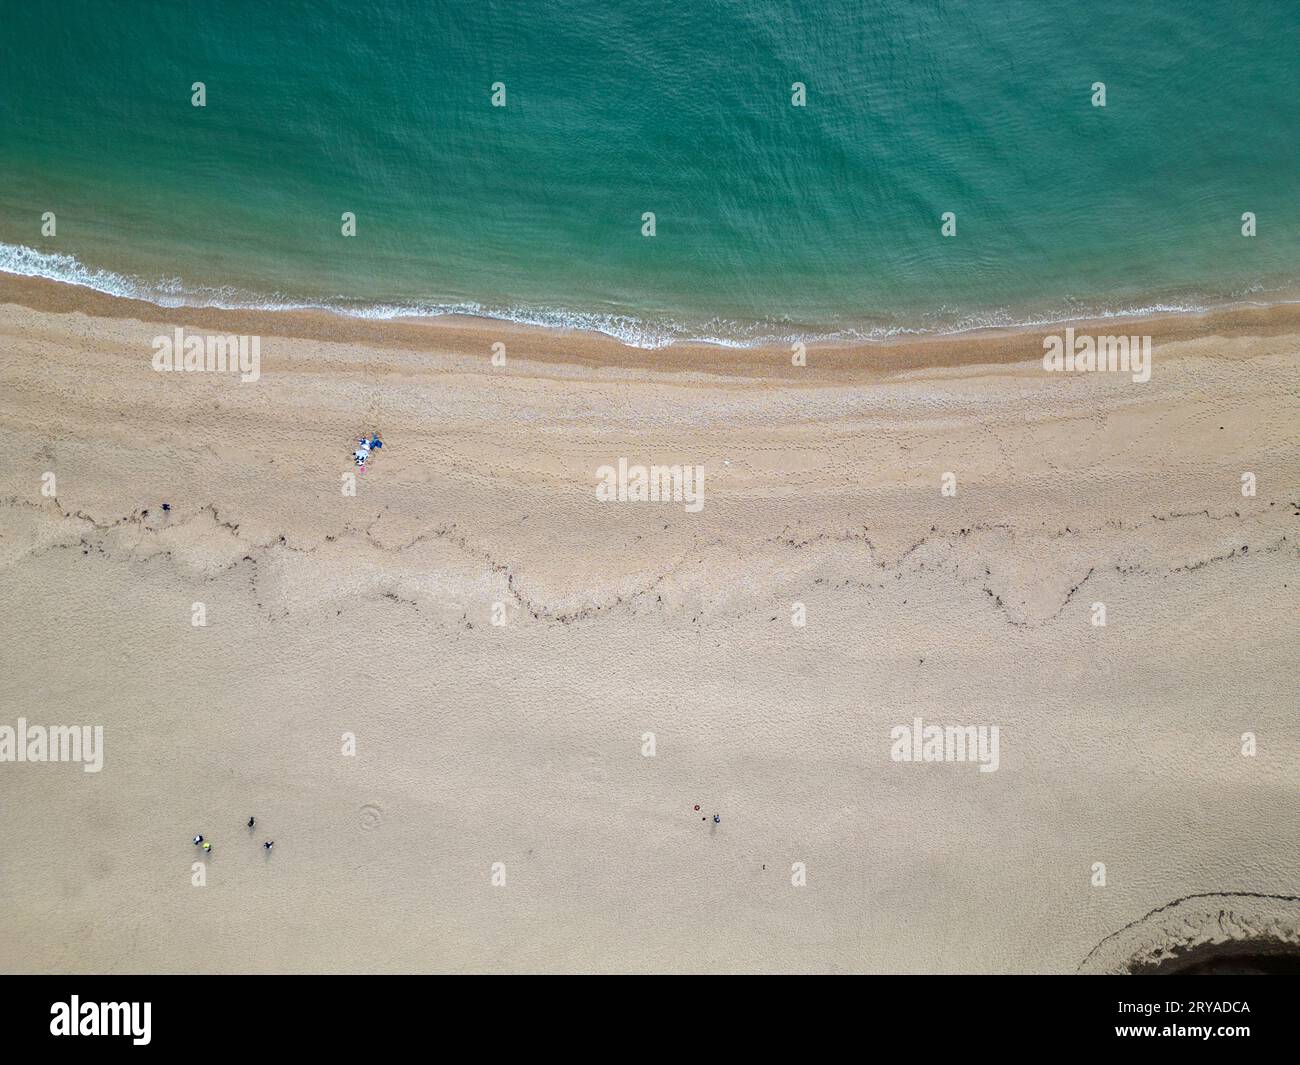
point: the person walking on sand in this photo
(198, 840)
(252, 821)
(207, 847)
(269, 844)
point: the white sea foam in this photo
(636, 332)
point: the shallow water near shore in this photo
(773, 222)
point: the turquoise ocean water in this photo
(773, 221)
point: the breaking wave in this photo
(24, 261)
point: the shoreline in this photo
(466, 335)
(499, 641)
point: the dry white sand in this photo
(522, 744)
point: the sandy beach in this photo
(499, 643)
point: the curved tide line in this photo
(23, 261)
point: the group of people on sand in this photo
(199, 841)
(366, 447)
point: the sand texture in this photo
(522, 743)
